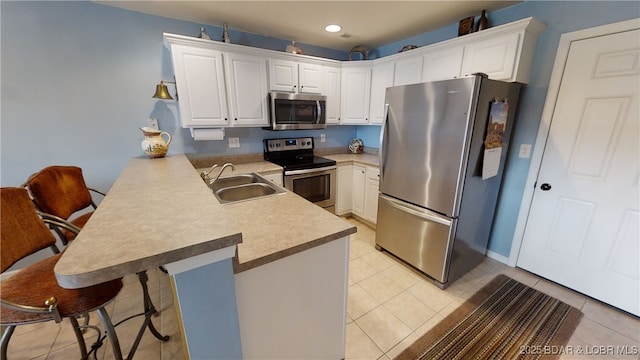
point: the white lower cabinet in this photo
(357, 191)
(372, 184)
(294, 307)
(344, 181)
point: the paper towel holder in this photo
(220, 133)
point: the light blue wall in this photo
(560, 17)
(77, 81)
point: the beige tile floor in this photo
(389, 306)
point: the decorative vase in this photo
(225, 34)
(483, 22)
(293, 49)
(153, 144)
(356, 146)
(203, 34)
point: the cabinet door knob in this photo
(236, 119)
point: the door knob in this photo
(545, 187)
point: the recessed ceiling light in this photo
(332, 28)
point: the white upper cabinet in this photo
(311, 78)
(247, 77)
(295, 77)
(283, 76)
(355, 89)
(332, 87)
(442, 64)
(381, 78)
(495, 57)
(408, 70)
(200, 86)
(355, 92)
(503, 52)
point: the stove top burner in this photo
(294, 154)
(300, 162)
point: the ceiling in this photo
(368, 23)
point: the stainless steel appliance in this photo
(443, 149)
(297, 111)
(312, 177)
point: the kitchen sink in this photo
(236, 180)
(243, 187)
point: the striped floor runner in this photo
(503, 320)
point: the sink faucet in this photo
(221, 171)
(205, 174)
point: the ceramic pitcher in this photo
(154, 145)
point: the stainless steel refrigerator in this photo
(442, 156)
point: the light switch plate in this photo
(525, 151)
(154, 123)
(234, 142)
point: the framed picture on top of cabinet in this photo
(466, 26)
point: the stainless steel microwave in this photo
(297, 111)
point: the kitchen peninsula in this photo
(265, 277)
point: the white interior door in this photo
(582, 229)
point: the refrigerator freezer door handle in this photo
(382, 158)
(414, 210)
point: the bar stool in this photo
(32, 295)
(61, 192)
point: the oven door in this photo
(316, 185)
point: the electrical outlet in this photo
(323, 138)
(234, 142)
(525, 151)
(154, 124)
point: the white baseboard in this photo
(498, 257)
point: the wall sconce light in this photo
(162, 92)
